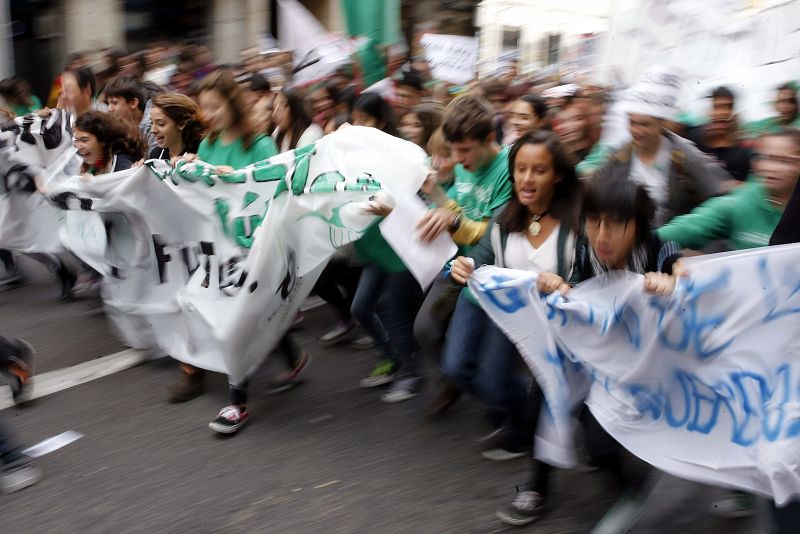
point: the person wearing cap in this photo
(676, 174)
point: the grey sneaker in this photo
(402, 390)
(362, 343)
(19, 475)
(338, 332)
(526, 508)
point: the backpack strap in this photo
(497, 245)
(561, 245)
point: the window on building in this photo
(511, 38)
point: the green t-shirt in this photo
(744, 217)
(373, 248)
(481, 192)
(233, 154)
(770, 125)
(20, 111)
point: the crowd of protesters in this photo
(521, 179)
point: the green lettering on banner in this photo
(238, 177)
(223, 209)
(270, 173)
(249, 198)
(364, 183)
(302, 158)
(300, 175)
(326, 182)
(241, 235)
(196, 173)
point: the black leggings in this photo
(603, 450)
(328, 284)
(291, 350)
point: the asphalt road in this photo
(325, 457)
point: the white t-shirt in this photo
(655, 178)
(312, 134)
(521, 254)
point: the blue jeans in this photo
(390, 324)
(479, 359)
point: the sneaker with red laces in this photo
(290, 378)
(230, 419)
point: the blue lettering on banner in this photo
(509, 299)
(771, 300)
(756, 405)
(693, 327)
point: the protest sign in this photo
(28, 223)
(424, 260)
(451, 57)
(213, 268)
(703, 384)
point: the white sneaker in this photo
(339, 331)
(402, 390)
(20, 475)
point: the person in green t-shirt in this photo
(18, 97)
(232, 143)
(788, 114)
(747, 217)
(481, 186)
(385, 278)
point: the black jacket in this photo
(788, 229)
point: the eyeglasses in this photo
(613, 228)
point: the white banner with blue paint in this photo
(703, 384)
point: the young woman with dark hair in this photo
(176, 126)
(294, 127)
(370, 109)
(526, 114)
(419, 124)
(616, 218)
(232, 141)
(532, 232)
(105, 144)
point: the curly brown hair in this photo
(223, 82)
(185, 112)
(112, 133)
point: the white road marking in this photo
(52, 444)
(331, 483)
(61, 379)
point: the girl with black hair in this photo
(370, 109)
(293, 125)
(532, 232)
(615, 234)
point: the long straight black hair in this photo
(516, 217)
(299, 116)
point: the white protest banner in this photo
(451, 57)
(28, 223)
(212, 269)
(703, 384)
(424, 260)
